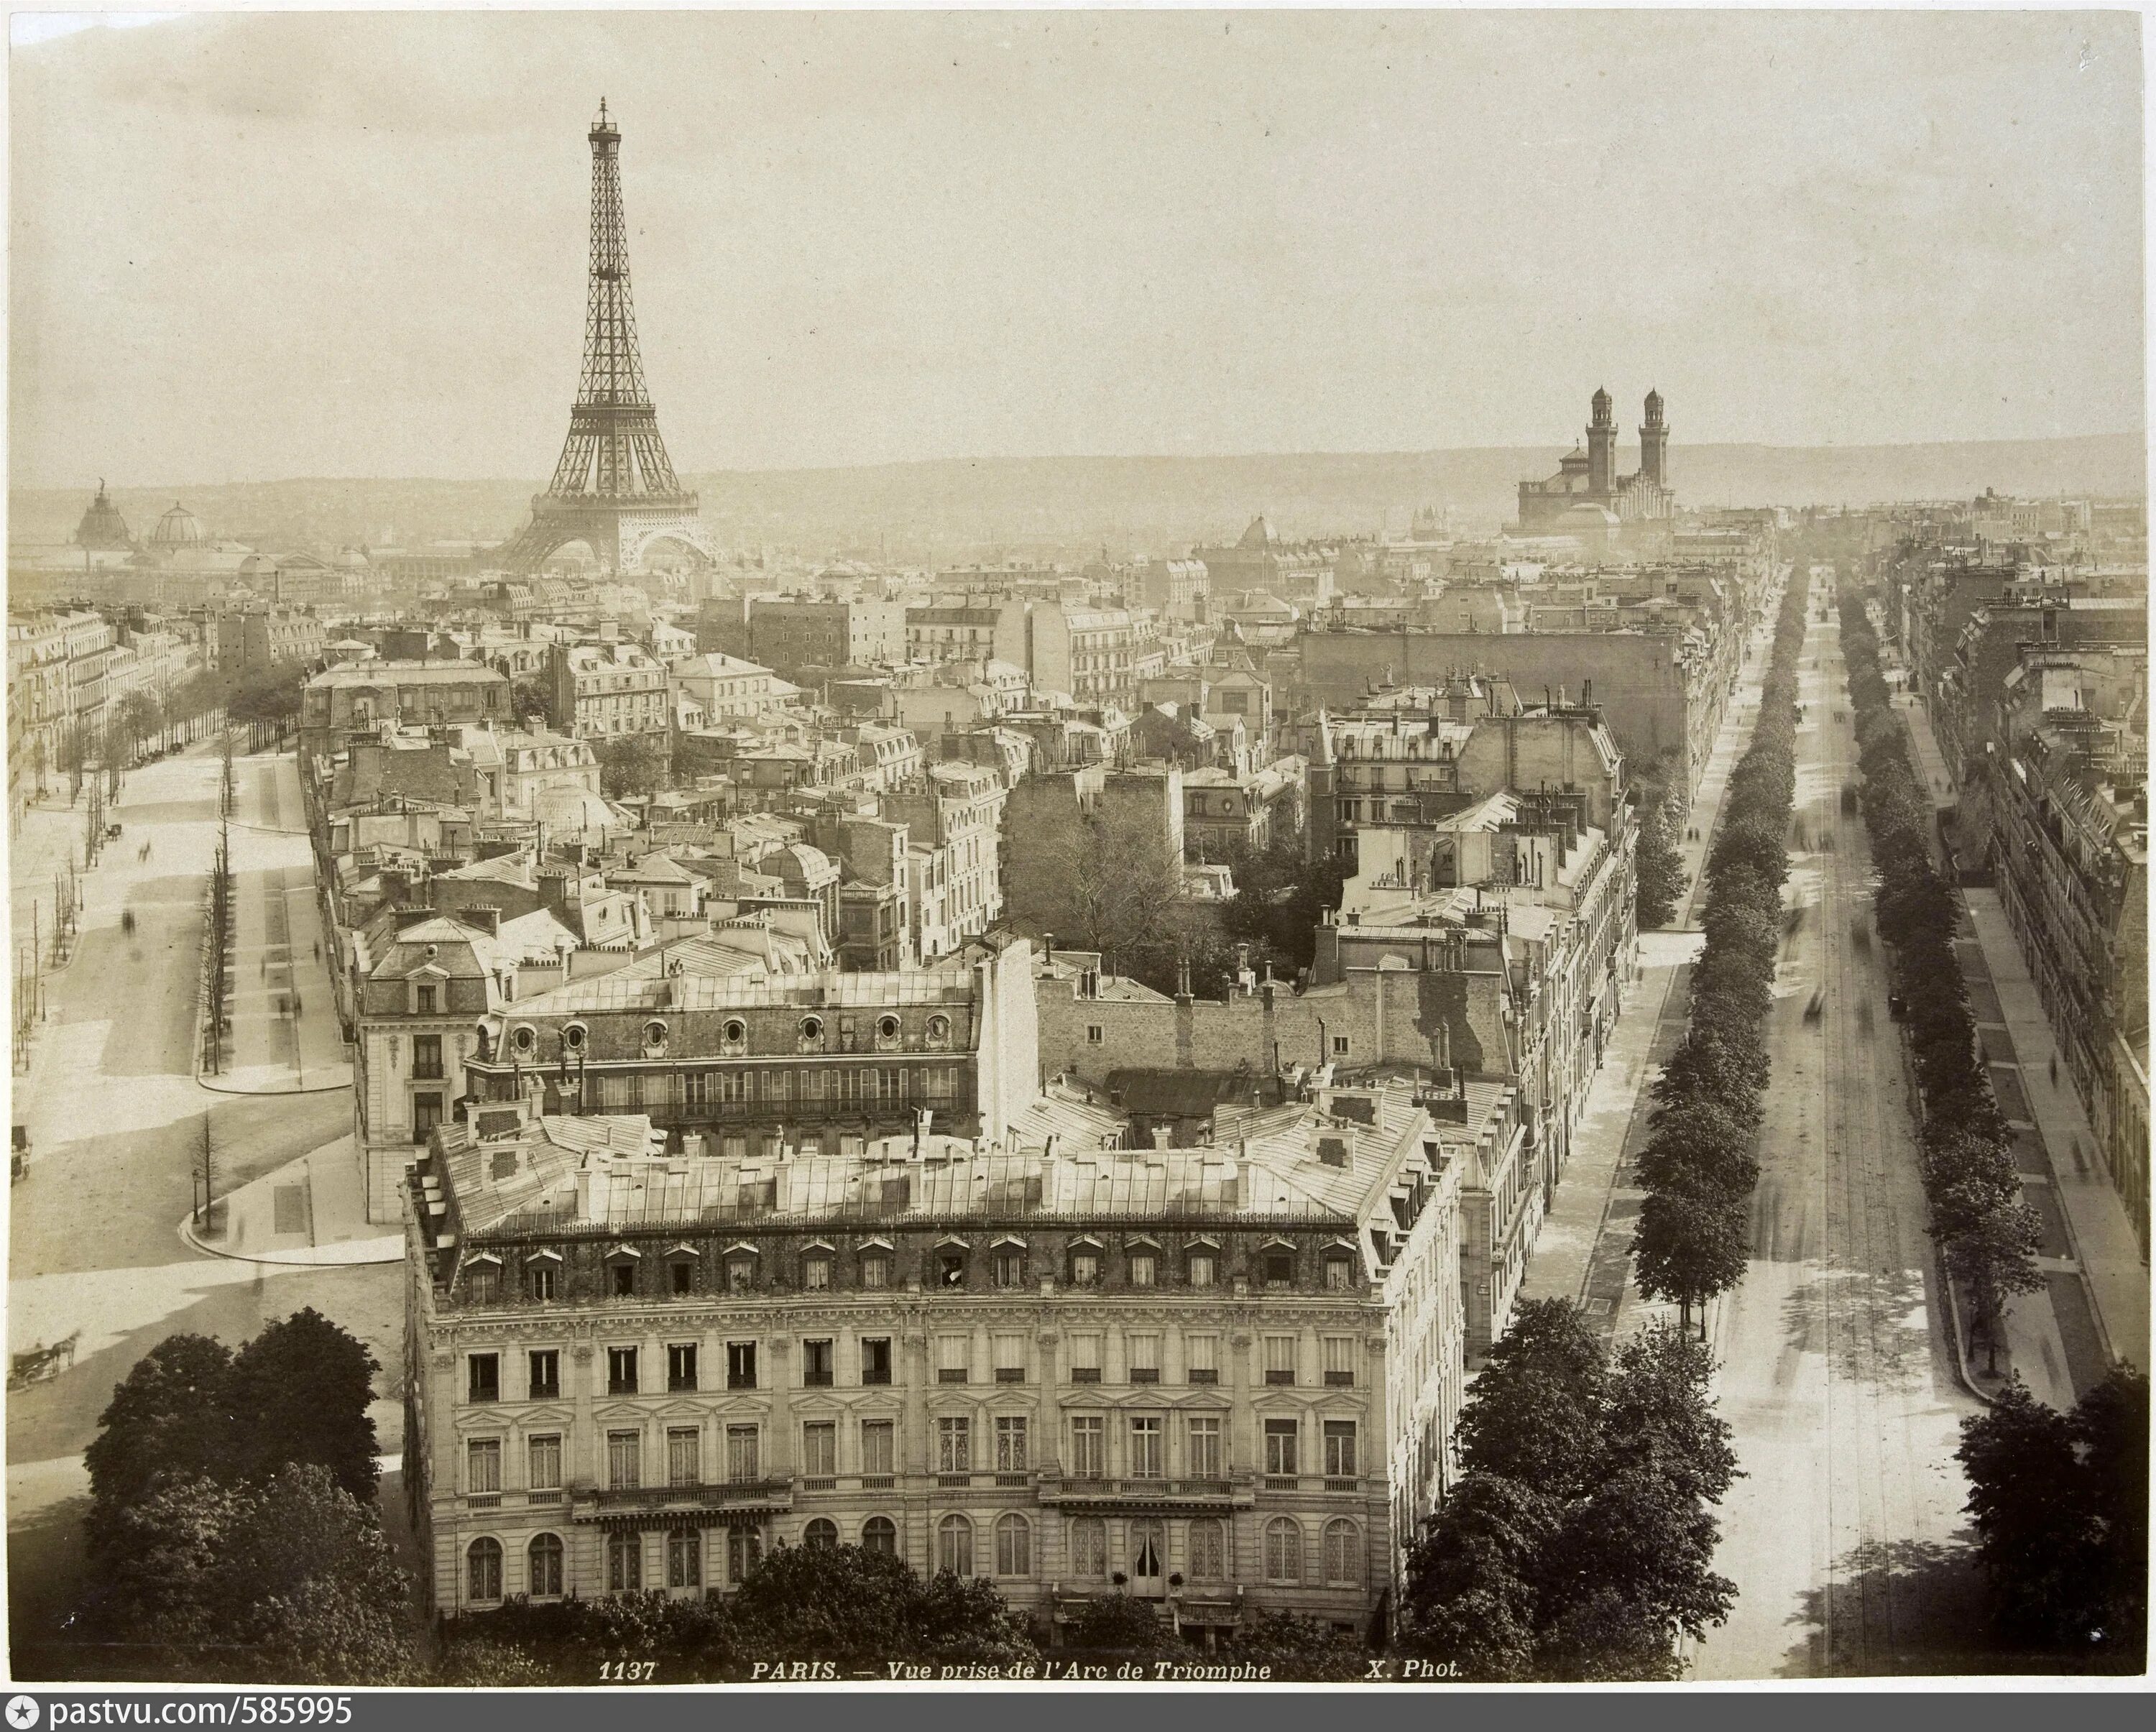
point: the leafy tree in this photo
(1105, 881)
(491, 1666)
(2111, 1426)
(1993, 1256)
(1531, 1416)
(564, 1640)
(139, 717)
(287, 1582)
(1591, 1562)
(1118, 1624)
(837, 1603)
(1689, 1246)
(1658, 1409)
(1472, 1596)
(315, 1590)
(173, 1417)
(1658, 869)
(1296, 1649)
(532, 697)
(633, 766)
(1281, 900)
(267, 695)
(1698, 1144)
(304, 1385)
(2029, 1501)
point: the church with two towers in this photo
(1587, 482)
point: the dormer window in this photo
(423, 1000)
(573, 1037)
(812, 1034)
(939, 1031)
(654, 1039)
(524, 1040)
(733, 1035)
(887, 1029)
(1085, 1265)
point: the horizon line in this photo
(1306, 454)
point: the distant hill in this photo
(954, 508)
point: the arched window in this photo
(1283, 1551)
(544, 1556)
(1014, 1546)
(954, 1545)
(744, 1552)
(524, 1038)
(654, 1039)
(1208, 1550)
(886, 1032)
(939, 1031)
(483, 1570)
(1088, 1546)
(733, 1035)
(572, 1037)
(625, 1563)
(812, 1034)
(685, 1558)
(822, 1533)
(878, 1534)
(1343, 1555)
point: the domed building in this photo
(178, 529)
(103, 530)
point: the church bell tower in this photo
(1655, 443)
(1602, 450)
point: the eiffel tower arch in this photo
(615, 488)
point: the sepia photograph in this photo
(1169, 848)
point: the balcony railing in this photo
(768, 1494)
(1236, 1491)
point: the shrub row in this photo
(1698, 1168)
(1987, 1236)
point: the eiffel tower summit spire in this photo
(615, 488)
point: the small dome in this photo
(102, 527)
(179, 527)
(1260, 534)
(255, 566)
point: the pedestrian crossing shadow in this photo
(1873, 1327)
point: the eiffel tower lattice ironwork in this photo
(615, 488)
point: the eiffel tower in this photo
(615, 488)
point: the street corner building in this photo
(1060, 1354)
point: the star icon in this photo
(21, 1712)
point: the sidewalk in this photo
(2102, 1248)
(312, 1210)
(2100, 1234)
(1583, 1251)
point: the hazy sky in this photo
(268, 246)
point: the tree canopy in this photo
(1579, 1543)
(232, 1516)
(1698, 1169)
(286, 1581)
(2059, 1503)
